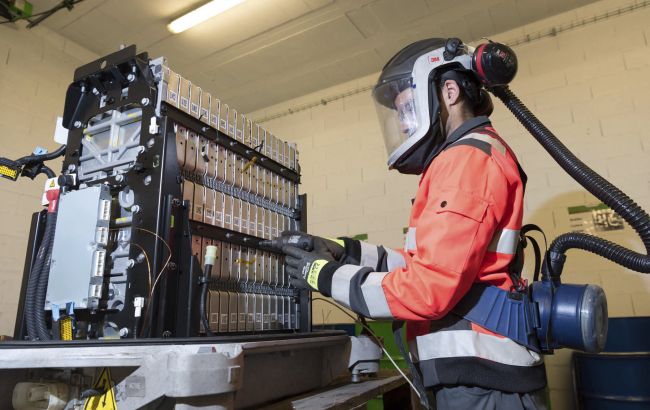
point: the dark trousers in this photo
(463, 397)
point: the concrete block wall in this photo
(590, 85)
(36, 67)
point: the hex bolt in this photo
(145, 101)
(119, 177)
(147, 180)
(130, 263)
(140, 258)
(72, 167)
(131, 77)
(124, 332)
(135, 209)
(78, 124)
(150, 142)
(172, 266)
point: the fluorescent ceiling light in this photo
(203, 13)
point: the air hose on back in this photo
(602, 189)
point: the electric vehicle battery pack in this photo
(162, 169)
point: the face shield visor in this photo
(399, 116)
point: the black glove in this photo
(305, 267)
(333, 248)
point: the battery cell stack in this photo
(244, 196)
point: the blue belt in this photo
(509, 314)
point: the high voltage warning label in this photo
(107, 400)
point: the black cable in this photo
(34, 275)
(42, 158)
(47, 171)
(204, 281)
(50, 12)
(41, 290)
(602, 189)
(416, 377)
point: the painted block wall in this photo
(590, 85)
(36, 67)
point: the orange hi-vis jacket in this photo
(464, 229)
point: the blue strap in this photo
(509, 314)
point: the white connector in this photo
(153, 126)
(101, 236)
(210, 255)
(96, 291)
(104, 210)
(138, 303)
(98, 263)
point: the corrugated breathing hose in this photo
(602, 189)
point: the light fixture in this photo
(201, 14)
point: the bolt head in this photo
(124, 332)
(130, 77)
(145, 101)
(77, 124)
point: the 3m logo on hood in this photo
(434, 59)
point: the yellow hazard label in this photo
(107, 400)
(52, 184)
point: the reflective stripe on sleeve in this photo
(495, 143)
(374, 296)
(468, 343)
(410, 243)
(504, 241)
(341, 283)
(369, 255)
(394, 259)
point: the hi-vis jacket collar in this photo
(466, 127)
(457, 134)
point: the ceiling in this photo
(267, 51)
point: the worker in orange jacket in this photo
(463, 232)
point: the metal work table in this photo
(207, 373)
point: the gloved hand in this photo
(304, 267)
(334, 249)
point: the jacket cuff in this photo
(325, 278)
(352, 251)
